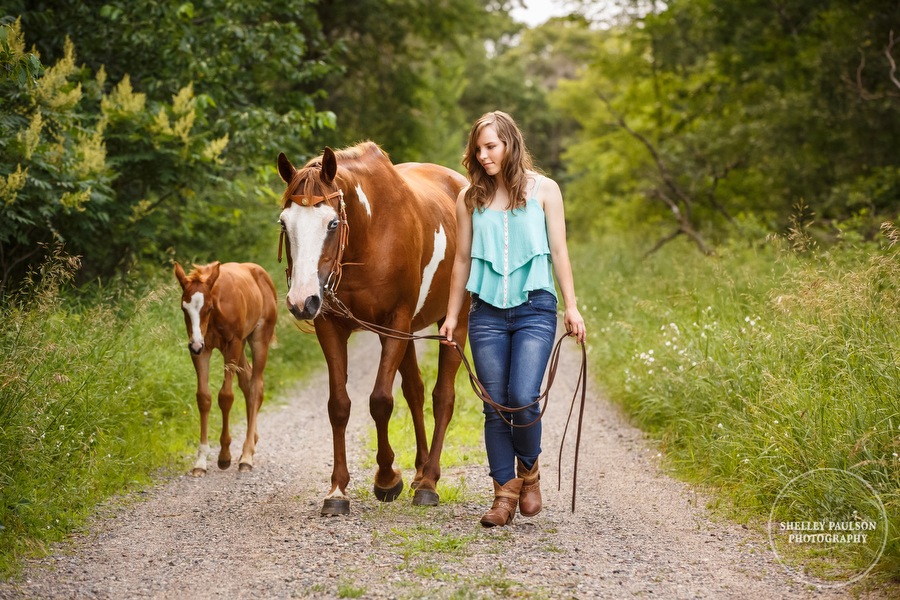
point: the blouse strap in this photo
(536, 186)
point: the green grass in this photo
(97, 398)
(756, 367)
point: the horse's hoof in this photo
(224, 464)
(425, 497)
(335, 506)
(195, 472)
(388, 495)
(245, 467)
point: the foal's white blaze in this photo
(364, 200)
(440, 249)
(192, 309)
(306, 228)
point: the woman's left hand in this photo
(575, 324)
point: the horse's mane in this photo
(198, 272)
(361, 159)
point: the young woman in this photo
(511, 241)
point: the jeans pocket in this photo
(543, 302)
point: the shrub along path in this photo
(636, 531)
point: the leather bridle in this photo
(334, 275)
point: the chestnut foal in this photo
(225, 306)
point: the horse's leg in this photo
(443, 398)
(204, 402)
(233, 352)
(253, 394)
(333, 341)
(414, 392)
(388, 480)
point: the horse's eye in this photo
(281, 224)
(333, 224)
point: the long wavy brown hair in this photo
(513, 170)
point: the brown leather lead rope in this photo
(341, 309)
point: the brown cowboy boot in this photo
(506, 497)
(530, 496)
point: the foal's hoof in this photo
(245, 467)
(425, 497)
(335, 506)
(224, 463)
(197, 472)
(388, 495)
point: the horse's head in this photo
(197, 301)
(313, 225)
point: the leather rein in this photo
(334, 305)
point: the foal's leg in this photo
(414, 392)
(204, 402)
(388, 481)
(243, 377)
(333, 341)
(253, 395)
(233, 353)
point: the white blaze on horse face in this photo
(364, 200)
(440, 249)
(306, 228)
(192, 309)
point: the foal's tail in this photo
(267, 287)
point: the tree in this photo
(403, 72)
(725, 113)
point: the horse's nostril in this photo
(312, 304)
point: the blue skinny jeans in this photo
(510, 349)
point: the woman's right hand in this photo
(447, 331)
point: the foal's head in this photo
(310, 221)
(197, 301)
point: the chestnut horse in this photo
(375, 241)
(225, 306)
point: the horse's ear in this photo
(213, 274)
(329, 165)
(179, 274)
(285, 168)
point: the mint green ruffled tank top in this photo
(510, 254)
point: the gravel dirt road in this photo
(636, 533)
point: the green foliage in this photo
(708, 111)
(403, 73)
(255, 64)
(106, 173)
(756, 367)
(517, 74)
(85, 411)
